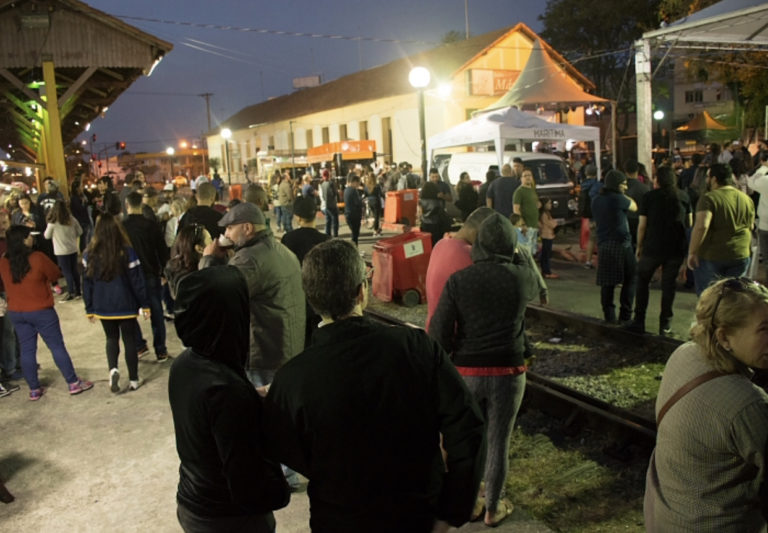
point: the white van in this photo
(549, 173)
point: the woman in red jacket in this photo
(27, 276)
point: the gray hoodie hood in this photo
(496, 240)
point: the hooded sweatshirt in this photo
(216, 411)
(480, 316)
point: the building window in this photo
(310, 141)
(692, 97)
(326, 135)
(343, 132)
(363, 130)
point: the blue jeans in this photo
(155, 295)
(331, 222)
(45, 322)
(287, 217)
(710, 271)
(68, 265)
(279, 216)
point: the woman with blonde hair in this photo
(708, 471)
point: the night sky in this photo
(243, 68)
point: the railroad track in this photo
(630, 434)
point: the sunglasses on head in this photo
(732, 284)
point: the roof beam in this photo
(68, 99)
(16, 82)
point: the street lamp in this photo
(226, 133)
(419, 78)
(170, 151)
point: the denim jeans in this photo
(710, 271)
(156, 319)
(331, 222)
(68, 265)
(287, 217)
(28, 325)
(354, 221)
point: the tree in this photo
(596, 36)
(214, 163)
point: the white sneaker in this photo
(135, 384)
(114, 379)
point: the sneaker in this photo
(57, 289)
(588, 265)
(135, 384)
(162, 357)
(114, 380)
(141, 352)
(552, 276)
(36, 394)
(6, 390)
(79, 386)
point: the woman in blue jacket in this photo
(113, 291)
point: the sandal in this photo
(478, 512)
(503, 510)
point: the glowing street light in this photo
(226, 134)
(170, 151)
(419, 78)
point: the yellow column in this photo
(54, 145)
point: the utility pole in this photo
(466, 18)
(207, 97)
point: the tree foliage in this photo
(596, 36)
(214, 163)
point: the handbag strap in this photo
(685, 389)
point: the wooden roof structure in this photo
(94, 58)
(390, 79)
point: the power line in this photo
(273, 32)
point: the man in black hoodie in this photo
(225, 482)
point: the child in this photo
(522, 230)
(65, 231)
(547, 226)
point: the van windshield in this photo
(547, 171)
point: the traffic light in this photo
(122, 145)
(93, 137)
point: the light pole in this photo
(419, 78)
(658, 116)
(170, 151)
(226, 133)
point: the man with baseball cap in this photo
(273, 276)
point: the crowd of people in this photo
(282, 374)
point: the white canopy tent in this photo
(726, 25)
(510, 124)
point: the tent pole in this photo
(643, 83)
(614, 148)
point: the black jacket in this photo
(147, 240)
(204, 215)
(360, 413)
(216, 411)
